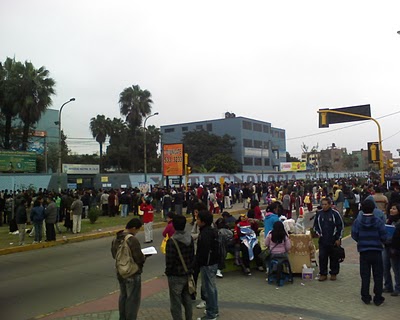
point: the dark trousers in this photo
(246, 258)
(129, 297)
(371, 260)
(50, 232)
(325, 255)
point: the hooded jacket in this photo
(269, 220)
(369, 232)
(173, 263)
(377, 212)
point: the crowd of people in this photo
(367, 204)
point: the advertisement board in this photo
(17, 161)
(173, 156)
(80, 168)
(293, 166)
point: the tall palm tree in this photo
(118, 134)
(37, 89)
(10, 97)
(100, 130)
(135, 104)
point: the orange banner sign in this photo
(173, 159)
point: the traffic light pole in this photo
(381, 167)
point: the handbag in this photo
(339, 253)
(264, 254)
(163, 246)
(191, 282)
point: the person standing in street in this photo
(148, 218)
(370, 234)
(131, 287)
(177, 276)
(328, 225)
(76, 209)
(37, 217)
(207, 260)
(51, 219)
(21, 219)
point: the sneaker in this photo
(201, 305)
(366, 300)
(219, 274)
(260, 268)
(322, 277)
(333, 277)
(217, 315)
(395, 294)
(34, 242)
(206, 318)
(247, 271)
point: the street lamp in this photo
(144, 145)
(59, 143)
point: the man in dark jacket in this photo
(130, 288)
(207, 260)
(21, 218)
(370, 234)
(328, 225)
(177, 276)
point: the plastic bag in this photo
(163, 246)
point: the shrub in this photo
(94, 214)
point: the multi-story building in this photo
(258, 146)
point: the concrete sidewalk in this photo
(250, 297)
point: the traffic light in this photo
(390, 163)
(323, 119)
(373, 152)
(186, 158)
(188, 170)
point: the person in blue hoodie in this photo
(370, 234)
(377, 212)
(271, 216)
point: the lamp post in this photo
(59, 143)
(144, 145)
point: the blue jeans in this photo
(124, 210)
(395, 261)
(209, 289)
(178, 296)
(38, 231)
(388, 283)
(129, 297)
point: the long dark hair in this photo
(278, 232)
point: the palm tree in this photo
(10, 97)
(36, 91)
(135, 104)
(118, 134)
(100, 130)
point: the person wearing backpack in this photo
(130, 284)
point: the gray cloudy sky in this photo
(275, 61)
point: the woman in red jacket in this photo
(148, 218)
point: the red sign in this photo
(173, 157)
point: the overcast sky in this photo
(275, 61)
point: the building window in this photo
(169, 130)
(209, 127)
(248, 161)
(257, 162)
(282, 135)
(257, 144)
(199, 127)
(257, 127)
(266, 128)
(247, 125)
(185, 128)
(266, 162)
(247, 143)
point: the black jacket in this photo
(207, 247)
(173, 263)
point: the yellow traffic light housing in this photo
(188, 170)
(390, 163)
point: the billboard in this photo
(17, 161)
(293, 166)
(80, 168)
(173, 156)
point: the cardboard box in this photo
(307, 274)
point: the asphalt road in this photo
(37, 282)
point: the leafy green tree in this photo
(135, 104)
(117, 151)
(289, 158)
(99, 127)
(36, 91)
(201, 146)
(10, 95)
(222, 163)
